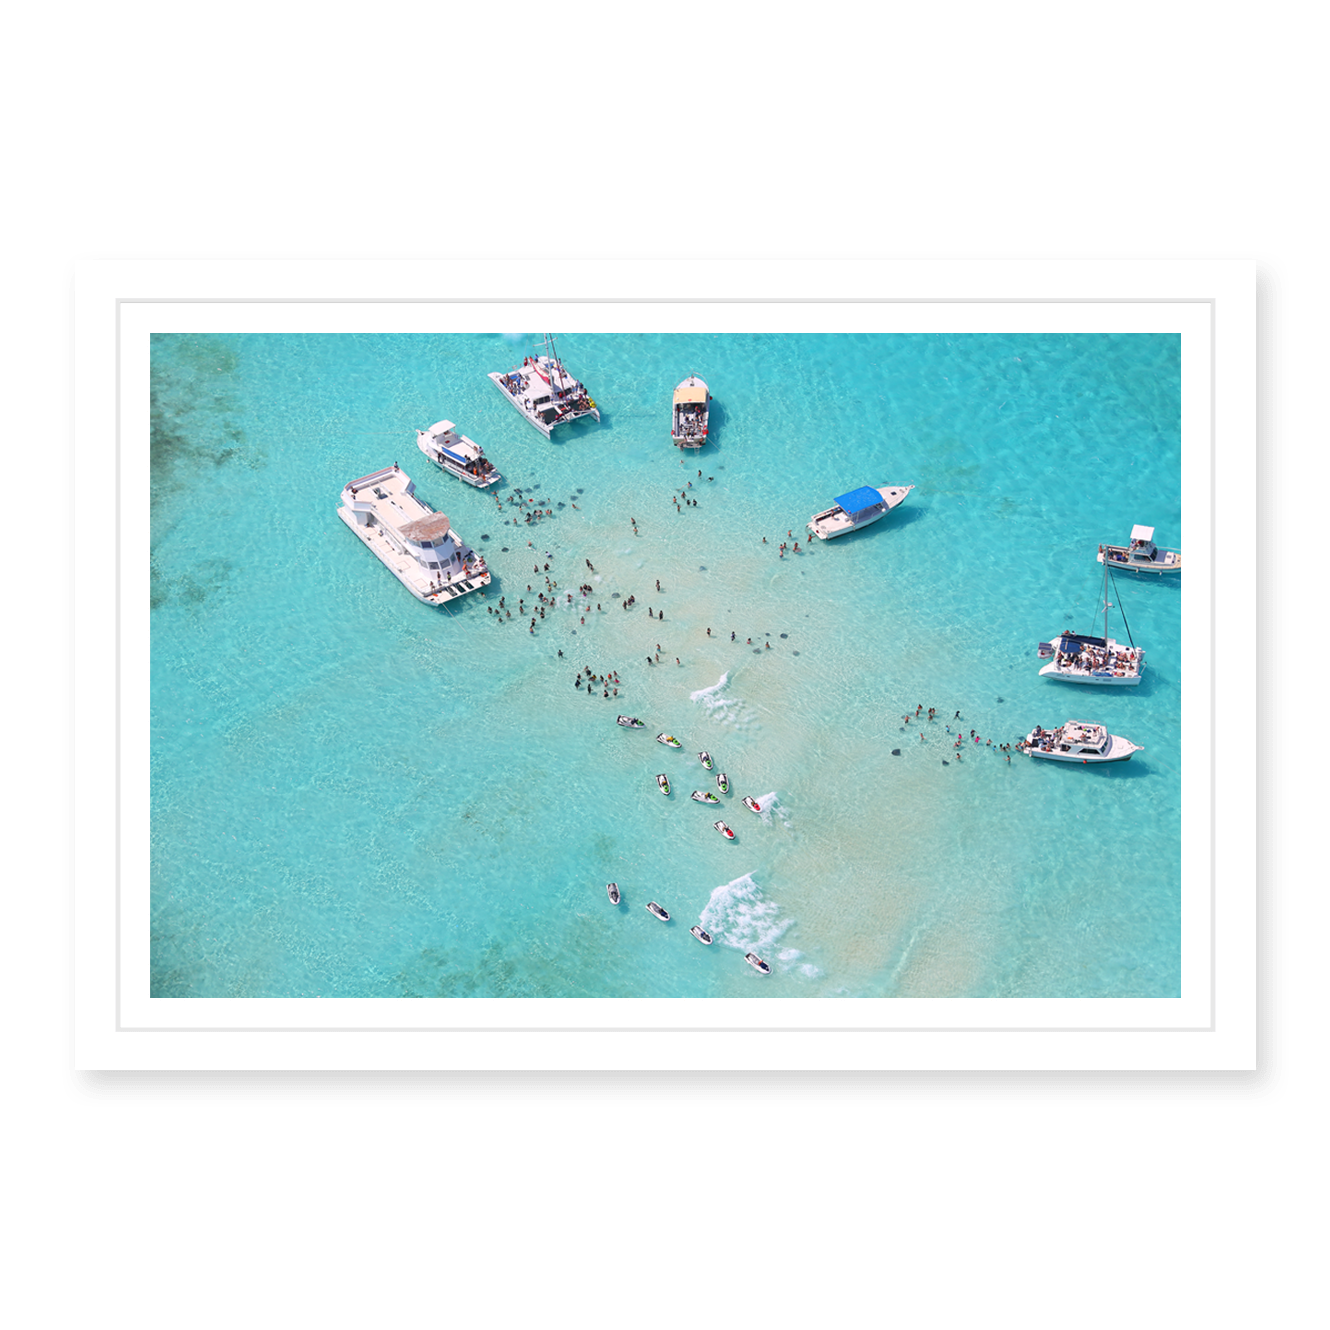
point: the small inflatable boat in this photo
(705, 760)
(705, 798)
(664, 782)
(613, 889)
(632, 723)
(658, 910)
(752, 803)
(724, 830)
(757, 963)
(669, 740)
(724, 782)
(701, 934)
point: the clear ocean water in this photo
(357, 795)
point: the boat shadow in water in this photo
(578, 431)
(1132, 769)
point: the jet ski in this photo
(664, 782)
(724, 782)
(705, 798)
(724, 830)
(705, 760)
(757, 963)
(752, 803)
(658, 910)
(613, 889)
(669, 740)
(632, 723)
(701, 934)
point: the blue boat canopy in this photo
(857, 500)
(456, 457)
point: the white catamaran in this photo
(1081, 658)
(544, 392)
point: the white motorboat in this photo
(664, 782)
(1078, 741)
(705, 797)
(688, 427)
(446, 447)
(724, 830)
(701, 934)
(418, 545)
(631, 723)
(543, 392)
(1081, 658)
(752, 804)
(659, 911)
(668, 740)
(612, 888)
(723, 782)
(1142, 555)
(705, 759)
(857, 509)
(757, 962)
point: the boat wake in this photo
(770, 808)
(727, 710)
(741, 917)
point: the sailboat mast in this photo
(1121, 611)
(556, 369)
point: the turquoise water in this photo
(356, 795)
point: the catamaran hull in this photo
(1110, 681)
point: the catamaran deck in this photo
(543, 391)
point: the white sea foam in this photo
(727, 710)
(741, 917)
(770, 808)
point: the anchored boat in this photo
(724, 830)
(664, 782)
(416, 544)
(453, 451)
(691, 411)
(1081, 741)
(543, 392)
(668, 740)
(1080, 658)
(858, 508)
(613, 889)
(705, 797)
(1142, 555)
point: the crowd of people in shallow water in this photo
(609, 682)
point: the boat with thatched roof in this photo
(416, 544)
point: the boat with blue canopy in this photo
(859, 508)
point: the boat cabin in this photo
(1142, 552)
(1076, 736)
(416, 542)
(861, 503)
